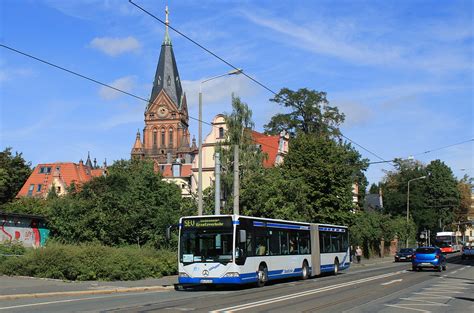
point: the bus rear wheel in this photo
(305, 271)
(262, 275)
(336, 267)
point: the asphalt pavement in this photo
(372, 286)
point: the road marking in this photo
(421, 300)
(72, 300)
(391, 282)
(302, 294)
(406, 308)
(437, 295)
(454, 272)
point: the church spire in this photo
(167, 76)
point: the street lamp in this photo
(233, 72)
(408, 201)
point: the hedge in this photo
(91, 262)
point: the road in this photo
(388, 287)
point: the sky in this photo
(400, 71)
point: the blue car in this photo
(428, 257)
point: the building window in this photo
(169, 80)
(170, 143)
(45, 170)
(154, 136)
(30, 190)
(58, 189)
(221, 132)
(39, 188)
(162, 136)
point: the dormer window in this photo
(169, 81)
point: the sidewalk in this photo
(372, 261)
(14, 287)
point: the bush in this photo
(91, 262)
(11, 248)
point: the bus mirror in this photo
(242, 235)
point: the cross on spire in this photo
(167, 40)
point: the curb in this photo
(85, 292)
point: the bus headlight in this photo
(231, 274)
(183, 274)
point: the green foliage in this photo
(314, 184)
(374, 189)
(11, 248)
(91, 262)
(310, 113)
(131, 205)
(433, 201)
(14, 171)
(28, 205)
(369, 228)
(239, 126)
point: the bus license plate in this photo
(206, 281)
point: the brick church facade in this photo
(166, 138)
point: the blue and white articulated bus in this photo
(233, 249)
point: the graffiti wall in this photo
(30, 230)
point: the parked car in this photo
(428, 257)
(404, 255)
(467, 252)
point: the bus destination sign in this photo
(207, 222)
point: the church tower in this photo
(166, 135)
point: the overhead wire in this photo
(231, 65)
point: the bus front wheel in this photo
(262, 275)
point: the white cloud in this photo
(356, 113)
(126, 83)
(8, 74)
(116, 46)
(353, 43)
(133, 116)
(218, 90)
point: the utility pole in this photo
(236, 179)
(200, 156)
(217, 203)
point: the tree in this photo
(310, 113)
(465, 202)
(432, 200)
(314, 183)
(239, 127)
(374, 189)
(131, 205)
(14, 171)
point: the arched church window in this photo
(162, 136)
(154, 136)
(170, 133)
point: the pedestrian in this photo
(352, 254)
(358, 254)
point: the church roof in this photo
(167, 76)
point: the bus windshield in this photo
(206, 245)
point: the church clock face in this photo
(162, 111)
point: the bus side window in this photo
(261, 242)
(293, 244)
(274, 242)
(283, 241)
(303, 242)
(249, 243)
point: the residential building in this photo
(59, 175)
(275, 147)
